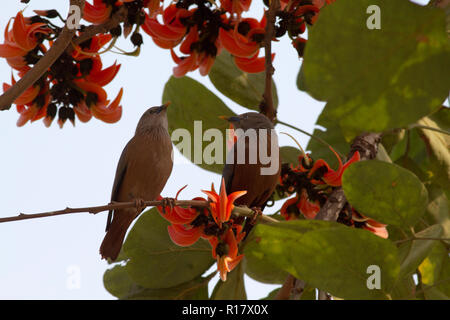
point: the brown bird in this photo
(248, 176)
(142, 172)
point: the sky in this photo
(44, 169)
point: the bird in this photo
(248, 176)
(142, 172)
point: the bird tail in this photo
(112, 243)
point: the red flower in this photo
(178, 215)
(222, 205)
(308, 208)
(289, 210)
(97, 103)
(235, 6)
(225, 251)
(21, 39)
(294, 206)
(96, 13)
(184, 236)
(373, 226)
(171, 32)
(254, 64)
(331, 177)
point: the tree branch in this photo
(61, 43)
(237, 211)
(266, 105)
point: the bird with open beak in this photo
(257, 138)
(142, 172)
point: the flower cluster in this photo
(214, 224)
(200, 29)
(312, 182)
(73, 84)
(293, 18)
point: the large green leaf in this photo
(190, 102)
(418, 250)
(243, 88)
(385, 192)
(155, 261)
(263, 271)
(390, 77)
(118, 283)
(233, 288)
(327, 255)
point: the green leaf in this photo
(233, 288)
(155, 261)
(301, 80)
(190, 102)
(392, 77)
(118, 283)
(404, 289)
(385, 192)
(327, 255)
(272, 294)
(418, 250)
(263, 271)
(243, 88)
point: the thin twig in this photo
(61, 43)
(237, 211)
(267, 106)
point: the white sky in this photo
(44, 169)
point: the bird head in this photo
(154, 117)
(250, 120)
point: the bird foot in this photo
(256, 213)
(167, 202)
(139, 204)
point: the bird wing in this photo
(228, 170)
(120, 174)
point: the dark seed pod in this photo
(63, 113)
(222, 249)
(71, 115)
(86, 66)
(91, 98)
(51, 14)
(116, 32)
(136, 39)
(51, 110)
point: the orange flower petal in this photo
(182, 236)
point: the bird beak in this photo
(230, 119)
(164, 106)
